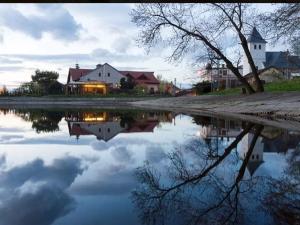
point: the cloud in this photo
(53, 19)
(100, 55)
(37, 192)
(122, 44)
(4, 60)
(155, 153)
(116, 180)
(10, 68)
(122, 154)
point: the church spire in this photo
(255, 37)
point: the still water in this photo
(112, 167)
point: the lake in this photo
(112, 167)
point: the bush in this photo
(202, 87)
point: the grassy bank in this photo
(282, 86)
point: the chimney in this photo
(77, 66)
(98, 65)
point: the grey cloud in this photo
(10, 68)
(122, 44)
(122, 154)
(61, 173)
(117, 142)
(37, 192)
(99, 55)
(155, 153)
(2, 160)
(9, 137)
(4, 60)
(112, 182)
(42, 207)
(53, 19)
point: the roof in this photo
(77, 73)
(141, 77)
(252, 166)
(256, 37)
(282, 60)
(248, 75)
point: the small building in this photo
(143, 79)
(267, 75)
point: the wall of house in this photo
(270, 75)
(258, 55)
(243, 148)
(105, 74)
(105, 130)
(154, 86)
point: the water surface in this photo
(144, 167)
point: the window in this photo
(225, 72)
(259, 46)
(99, 74)
(108, 130)
(108, 74)
(88, 79)
(254, 46)
(99, 130)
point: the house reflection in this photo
(106, 125)
(215, 132)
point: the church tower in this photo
(257, 48)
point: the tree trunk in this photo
(257, 80)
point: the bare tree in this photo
(198, 27)
(284, 22)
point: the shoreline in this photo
(272, 109)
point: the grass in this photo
(281, 86)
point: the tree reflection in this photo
(42, 120)
(283, 198)
(196, 189)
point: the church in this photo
(287, 64)
(272, 65)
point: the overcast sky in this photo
(56, 36)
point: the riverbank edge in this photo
(217, 106)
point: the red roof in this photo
(77, 130)
(77, 73)
(147, 126)
(141, 77)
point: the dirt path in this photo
(276, 109)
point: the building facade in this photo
(105, 77)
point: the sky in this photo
(57, 36)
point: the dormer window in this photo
(259, 46)
(254, 46)
(99, 74)
(108, 74)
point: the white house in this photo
(104, 73)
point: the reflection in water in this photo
(200, 189)
(106, 125)
(199, 170)
(37, 192)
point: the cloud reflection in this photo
(37, 192)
